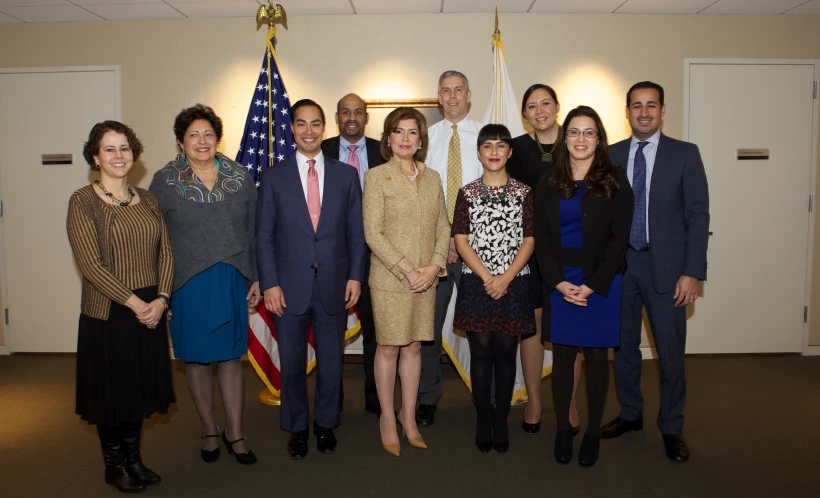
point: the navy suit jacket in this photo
(678, 211)
(287, 247)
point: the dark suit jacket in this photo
(678, 211)
(606, 224)
(330, 148)
(287, 246)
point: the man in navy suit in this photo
(363, 153)
(311, 256)
(665, 259)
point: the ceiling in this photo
(15, 11)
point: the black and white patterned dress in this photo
(496, 220)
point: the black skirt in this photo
(123, 367)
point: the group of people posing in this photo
(551, 236)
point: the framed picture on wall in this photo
(378, 109)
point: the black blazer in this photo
(678, 211)
(330, 148)
(606, 224)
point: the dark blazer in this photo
(330, 148)
(287, 247)
(606, 224)
(678, 211)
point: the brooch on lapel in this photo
(388, 178)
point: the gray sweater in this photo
(205, 233)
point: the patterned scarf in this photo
(230, 177)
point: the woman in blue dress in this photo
(583, 214)
(209, 203)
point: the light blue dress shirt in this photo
(361, 153)
(650, 150)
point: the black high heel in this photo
(210, 456)
(244, 458)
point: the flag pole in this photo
(272, 13)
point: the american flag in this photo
(267, 139)
(266, 142)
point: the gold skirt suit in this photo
(406, 227)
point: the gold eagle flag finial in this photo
(272, 13)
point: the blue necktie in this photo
(637, 234)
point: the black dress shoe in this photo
(501, 447)
(530, 428)
(676, 448)
(244, 458)
(425, 415)
(325, 439)
(590, 447)
(619, 427)
(298, 444)
(484, 446)
(563, 446)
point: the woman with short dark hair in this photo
(406, 227)
(120, 242)
(209, 202)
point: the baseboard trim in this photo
(812, 351)
(649, 354)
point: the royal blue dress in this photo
(598, 325)
(210, 316)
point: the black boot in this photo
(588, 454)
(131, 437)
(114, 458)
(563, 446)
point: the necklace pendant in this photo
(123, 203)
(546, 157)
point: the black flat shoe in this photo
(325, 439)
(619, 427)
(425, 415)
(563, 446)
(244, 458)
(590, 447)
(501, 447)
(298, 444)
(484, 446)
(530, 428)
(676, 448)
(210, 456)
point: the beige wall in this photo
(591, 59)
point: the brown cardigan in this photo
(405, 226)
(107, 259)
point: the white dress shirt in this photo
(301, 162)
(438, 149)
(650, 150)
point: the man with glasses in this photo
(666, 258)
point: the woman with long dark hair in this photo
(583, 214)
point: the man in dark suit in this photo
(353, 148)
(311, 253)
(665, 259)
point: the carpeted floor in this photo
(752, 427)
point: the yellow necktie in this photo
(453, 172)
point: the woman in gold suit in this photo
(406, 227)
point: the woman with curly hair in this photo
(582, 218)
(209, 203)
(120, 242)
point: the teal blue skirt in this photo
(210, 316)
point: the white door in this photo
(45, 113)
(754, 297)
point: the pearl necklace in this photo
(413, 177)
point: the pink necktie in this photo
(353, 159)
(313, 202)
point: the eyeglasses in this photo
(575, 133)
